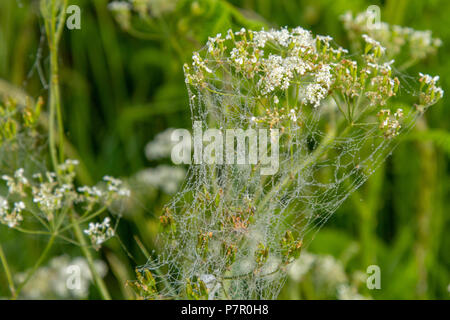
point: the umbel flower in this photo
(339, 116)
(48, 198)
(100, 232)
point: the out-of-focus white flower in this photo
(119, 6)
(301, 266)
(293, 115)
(275, 100)
(161, 146)
(347, 292)
(115, 187)
(327, 274)
(164, 177)
(54, 280)
(419, 44)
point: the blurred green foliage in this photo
(122, 84)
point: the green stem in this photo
(224, 290)
(85, 218)
(85, 250)
(36, 265)
(54, 27)
(7, 272)
(27, 231)
(425, 212)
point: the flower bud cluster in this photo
(390, 123)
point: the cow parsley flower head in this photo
(100, 232)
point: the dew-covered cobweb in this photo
(322, 160)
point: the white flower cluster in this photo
(161, 146)
(92, 196)
(164, 177)
(422, 42)
(144, 8)
(16, 183)
(430, 93)
(382, 84)
(299, 38)
(428, 79)
(275, 60)
(198, 62)
(280, 72)
(50, 195)
(13, 217)
(122, 13)
(277, 65)
(52, 192)
(114, 188)
(372, 43)
(119, 6)
(316, 92)
(246, 62)
(100, 232)
(390, 124)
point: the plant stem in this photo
(250, 274)
(224, 290)
(85, 250)
(36, 265)
(425, 212)
(84, 218)
(54, 27)
(7, 272)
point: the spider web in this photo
(319, 167)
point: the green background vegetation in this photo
(122, 87)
